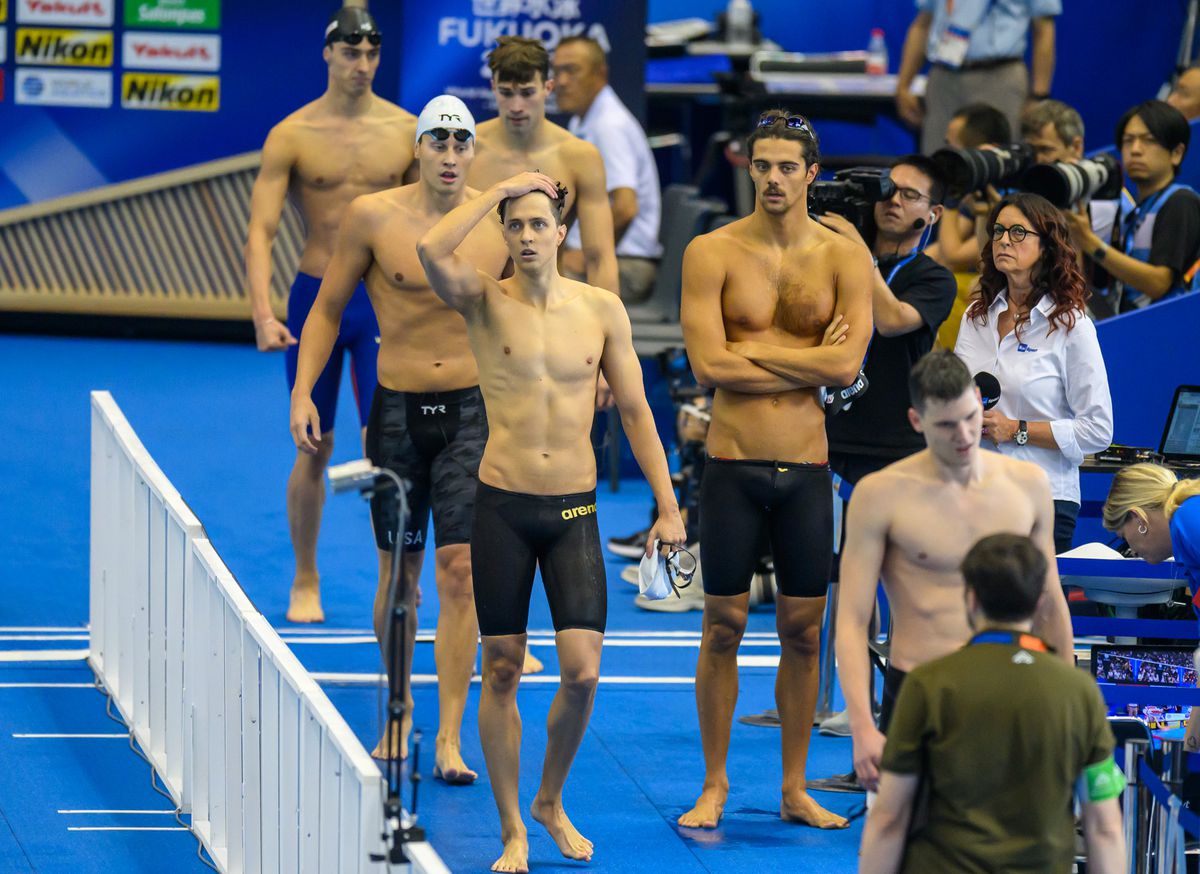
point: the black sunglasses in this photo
(353, 39)
(440, 134)
(795, 122)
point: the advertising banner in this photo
(463, 32)
(182, 14)
(36, 87)
(64, 48)
(85, 13)
(150, 50)
(168, 91)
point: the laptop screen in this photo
(1151, 667)
(1181, 437)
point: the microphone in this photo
(989, 389)
(918, 224)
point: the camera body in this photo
(852, 193)
(1065, 184)
(968, 170)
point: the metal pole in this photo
(1134, 750)
(825, 687)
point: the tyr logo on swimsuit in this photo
(430, 410)
(575, 512)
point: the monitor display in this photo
(1181, 438)
(1150, 667)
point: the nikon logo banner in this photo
(186, 14)
(64, 48)
(3, 10)
(165, 91)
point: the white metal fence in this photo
(242, 737)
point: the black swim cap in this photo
(352, 24)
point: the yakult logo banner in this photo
(465, 31)
(89, 13)
(142, 50)
(64, 48)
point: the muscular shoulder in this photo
(1026, 475)
(485, 132)
(838, 247)
(724, 241)
(386, 109)
(882, 488)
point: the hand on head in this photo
(524, 183)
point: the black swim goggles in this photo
(374, 37)
(680, 568)
(793, 122)
(441, 134)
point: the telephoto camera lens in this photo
(968, 170)
(1064, 185)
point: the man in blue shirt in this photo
(1152, 251)
(976, 49)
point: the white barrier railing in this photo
(242, 737)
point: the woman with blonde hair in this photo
(1159, 516)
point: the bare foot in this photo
(570, 842)
(305, 603)
(388, 747)
(533, 664)
(515, 856)
(449, 766)
(708, 810)
(800, 807)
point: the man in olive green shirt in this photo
(988, 743)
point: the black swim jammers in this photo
(434, 440)
(513, 534)
(789, 502)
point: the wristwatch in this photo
(1022, 435)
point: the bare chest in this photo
(935, 534)
(792, 295)
(362, 161)
(554, 348)
(495, 165)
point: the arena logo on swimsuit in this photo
(64, 48)
(575, 512)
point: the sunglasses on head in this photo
(795, 122)
(440, 134)
(353, 39)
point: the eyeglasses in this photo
(1016, 233)
(794, 122)
(441, 134)
(353, 39)
(911, 195)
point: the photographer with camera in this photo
(960, 240)
(1027, 326)
(1091, 187)
(1154, 244)
(911, 295)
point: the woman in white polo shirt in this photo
(1027, 326)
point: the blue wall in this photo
(271, 64)
(1111, 53)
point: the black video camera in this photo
(852, 193)
(968, 170)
